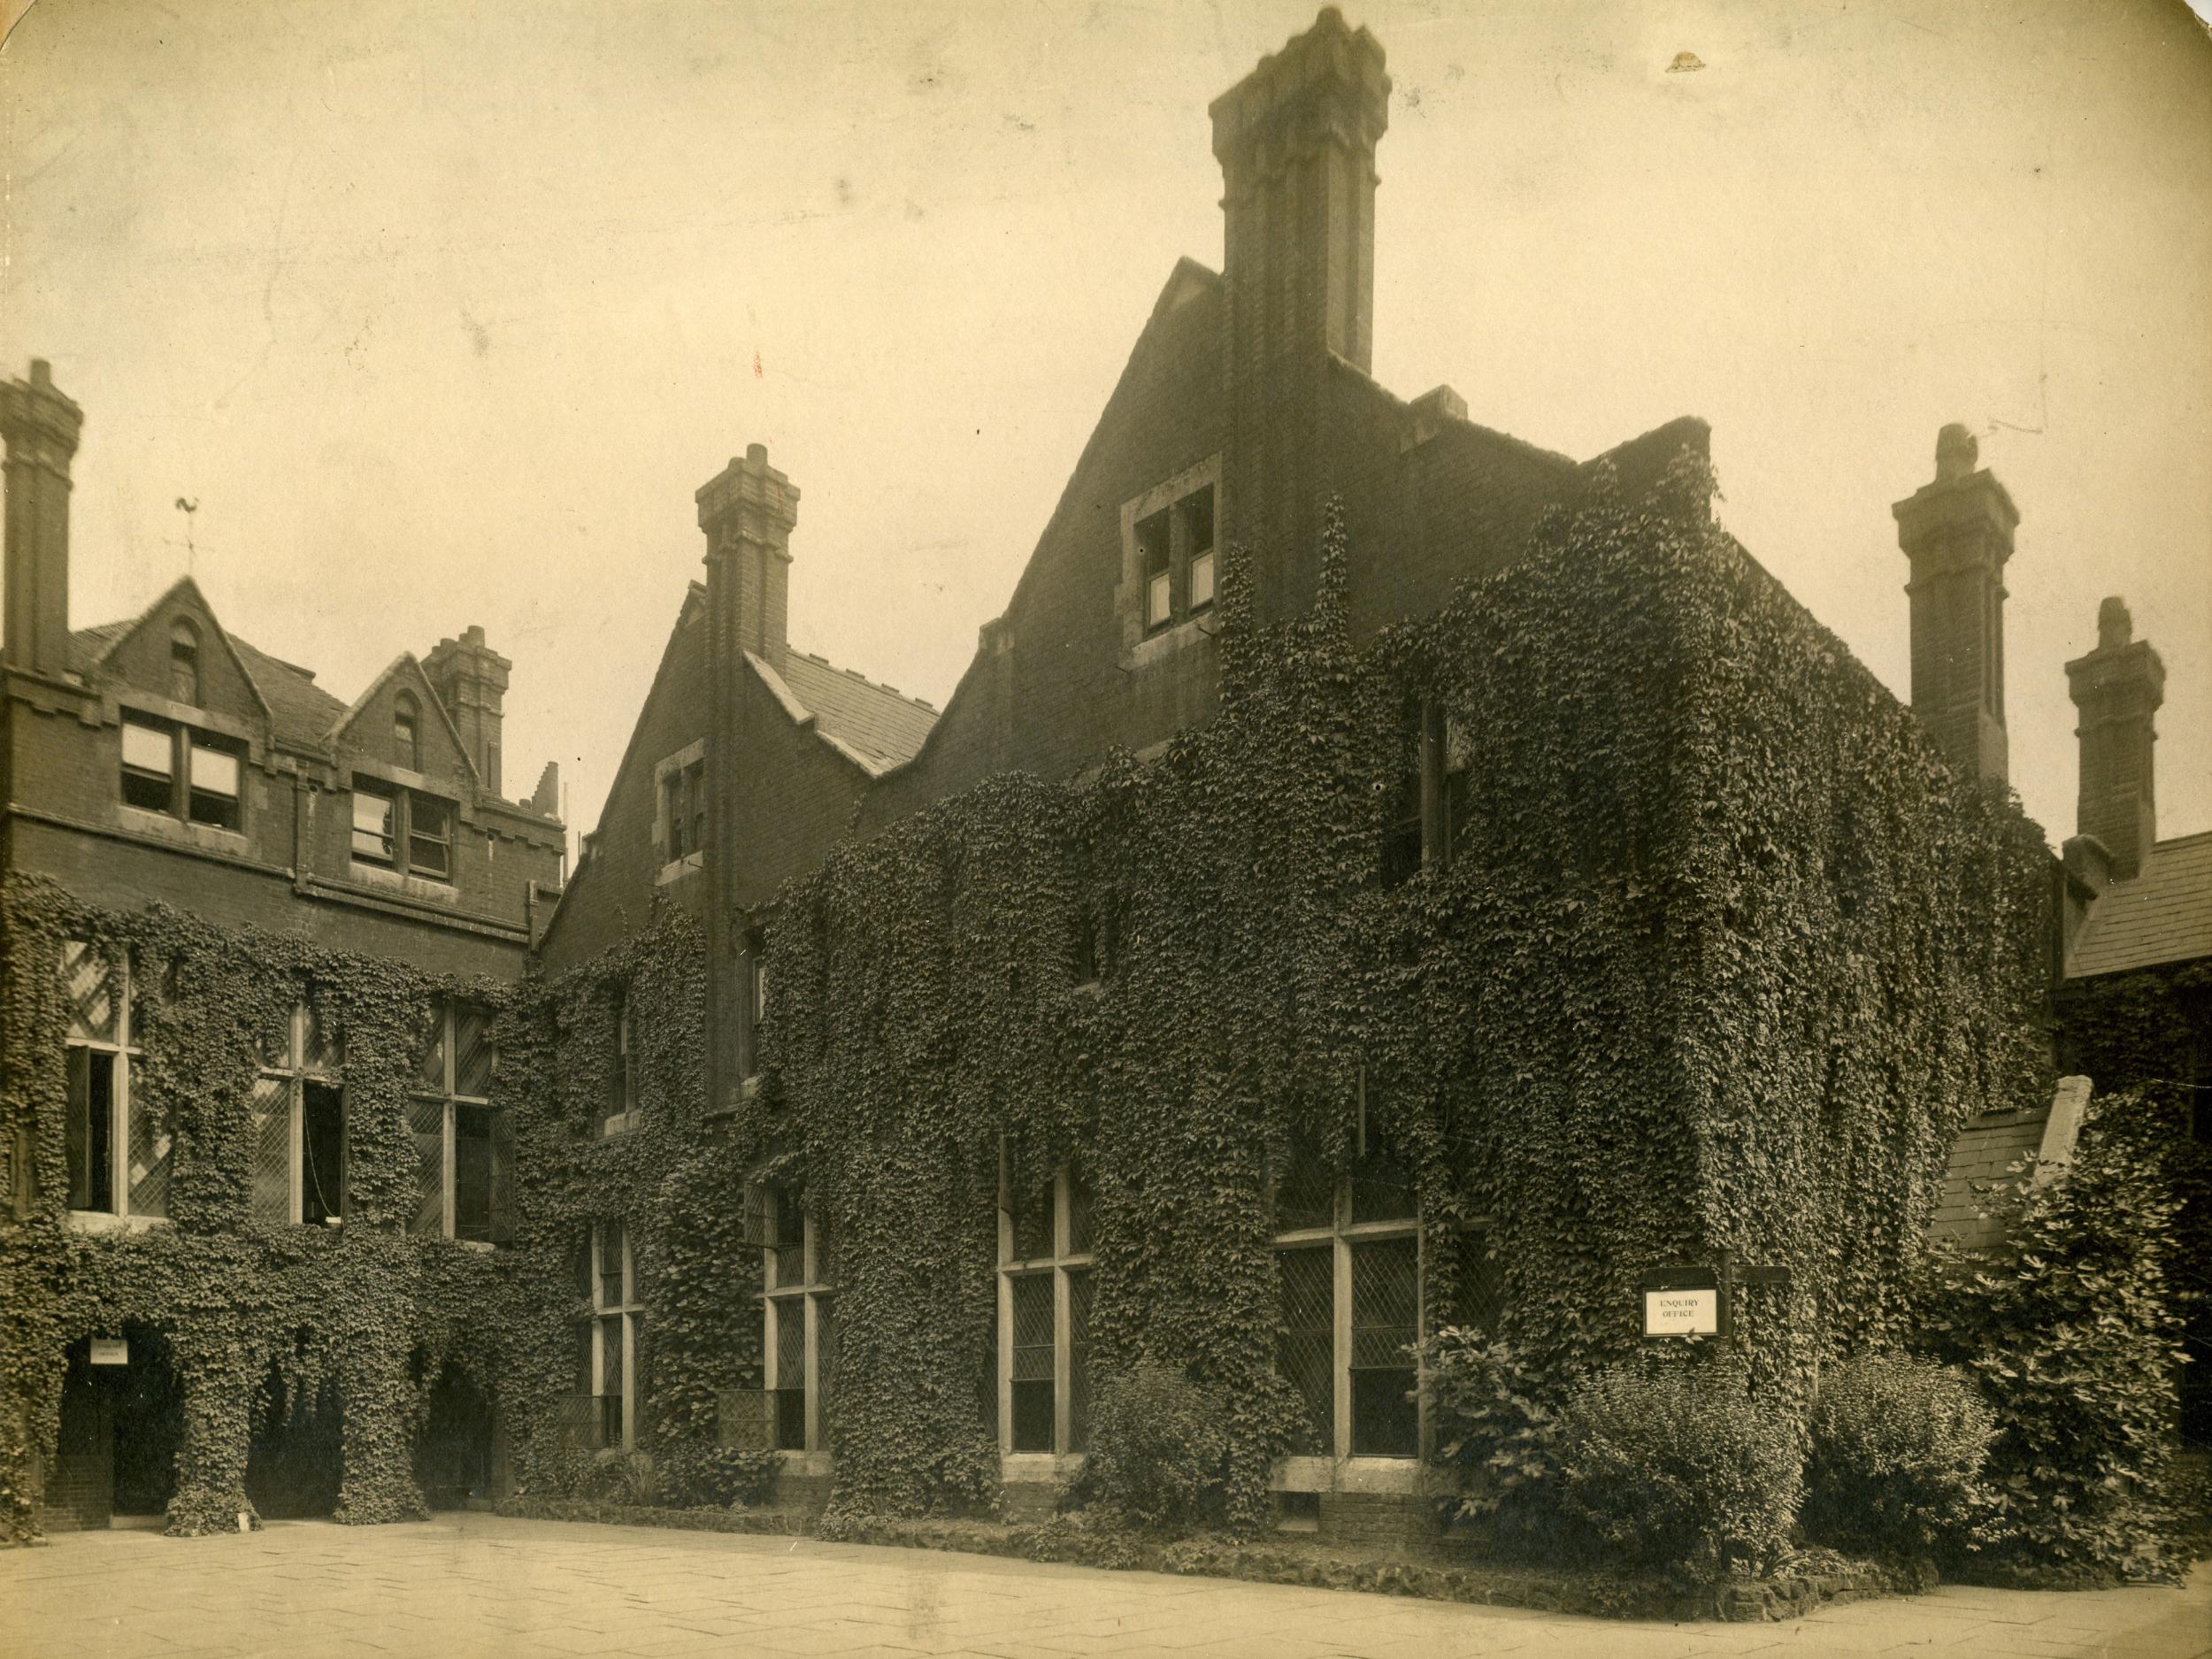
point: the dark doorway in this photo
(121, 1420)
(296, 1457)
(453, 1458)
(149, 1423)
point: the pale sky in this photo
(442, 312)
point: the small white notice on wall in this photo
(110, 1350)
(1681, 1312)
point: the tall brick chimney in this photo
(2117, 688)
(748, 510)
(40, 427)
(470, 679)
(1296, 141)
(1957, 531)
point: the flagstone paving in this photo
(479, 1585)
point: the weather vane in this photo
(187, 508)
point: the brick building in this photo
(1247, 404)
(161, 762)
(161, 759)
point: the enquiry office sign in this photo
(1682, 1313)
(1682, 1301)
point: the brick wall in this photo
(1379, 1519)
(79, 1493)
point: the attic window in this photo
(1169, 537)
(407, 732)
(184, 663)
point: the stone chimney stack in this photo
(470, 679)
(40, 427)
(1296, 142)
(748, 510)
(1957, 531)
(2117, 688)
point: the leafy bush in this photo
(1497, 1421)
(1894, 1464)
(2069, 1332)
(1158, 1450)
(1681, 1469)
(690, 1475)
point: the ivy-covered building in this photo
(1376, 875)
(2135, 1009)
(256, 940)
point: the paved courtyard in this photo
(479, 1584)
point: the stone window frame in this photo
(185, 738)
(796, 1276)
(116, 1041)
(403, 800)
(444, 1095)
(1143, 641)
(1069, 1262)
(1344, 1235)
(280, 1086)
(625, 1312)
(688, 762)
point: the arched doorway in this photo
(455, 1455)
(296, 1458)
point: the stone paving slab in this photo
(481, 1586)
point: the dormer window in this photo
(184, 663)
(407, 732)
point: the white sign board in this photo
(110, 1350)
(1681, 1312)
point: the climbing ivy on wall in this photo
(370, 1312)
(1723, 956)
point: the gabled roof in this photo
(404, 664)
(300, 712)
(115, 633)
(875, 727)
(2161, 916)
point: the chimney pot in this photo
(1956, 452)
(2114, 627)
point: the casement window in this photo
(609, 1348)
(181, 772)
(1175, 557)
(799, 1329)
(118, 1157)
(463, 1145)
(1428, 803)
(622, 1069)
(1349, 1255)
(407, 731)
(402, 829)
(299, 1127)
(184, 663)
(753, 994)
(683, 809)
(1044, 1308)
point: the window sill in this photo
(99, 1221)
(1390, 1474)
(620, 1124)
(1161, 643)
(805, 1463)
(1030, 1467)
(206, 837)
(479, 1247)
(676, 869)
(422, 887)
